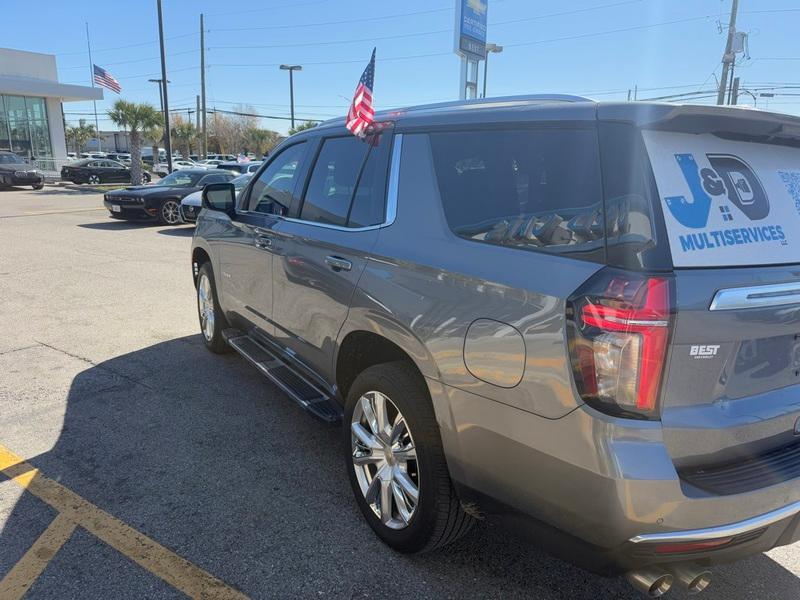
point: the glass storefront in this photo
(24, 128)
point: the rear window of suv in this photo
(727, 202)
(529, 189)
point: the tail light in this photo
(619, 325)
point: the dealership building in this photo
(31, 97)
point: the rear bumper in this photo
(600, 491)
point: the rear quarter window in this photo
(535, 190)
(727, 202)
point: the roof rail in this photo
(481, 103)
(499, 100)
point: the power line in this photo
(137, 45)
(343, 22)
(422, 33)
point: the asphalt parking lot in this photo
(135, 464)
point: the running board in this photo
(294, 385)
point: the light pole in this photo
(291, 69)
(489, 48)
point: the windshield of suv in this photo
(181, 179)
(10, 159)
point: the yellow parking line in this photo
(175, 570)
(19, 579)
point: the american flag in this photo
(105, 79)
(361, 113)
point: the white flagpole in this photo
(91, 75)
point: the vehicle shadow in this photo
(202, 454)
(178, 231)
(115, 225)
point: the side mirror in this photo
(220, 196)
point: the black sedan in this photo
(98, 170)
(15, 171)
(161, 201)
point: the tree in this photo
(80, 134)
(136, 118)
(184, 133)
(302, 127)
(261, 141)
(154, 135)
(228, 130)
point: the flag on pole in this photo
(361, 113)
(105, 79)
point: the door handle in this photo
(338, 264)
(261, 242)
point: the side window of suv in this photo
(346, 184)
(527, 189)
(272, 192)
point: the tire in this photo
(38, 186)
(436, 518)
(146, 177)
(93, 179)
(210, 330)
(169, 212)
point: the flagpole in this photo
(91, 76)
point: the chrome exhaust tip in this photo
(652, 581)
(694, 578)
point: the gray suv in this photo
(583, 317)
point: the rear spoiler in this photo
(723, 121)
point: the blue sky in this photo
(599, 48)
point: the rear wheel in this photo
(38, 186)
(212, 320)
(93, 179)
(146, 177)
(169, 213)
(396, 463)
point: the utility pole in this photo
(735, 92)
(729, 56)
(91, 74)
(197, 114)
(204, 137)
(167, 135)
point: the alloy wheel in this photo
(205, 306)
(94, 179)
(385, 459)
(170, 212)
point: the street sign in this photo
(470, 38)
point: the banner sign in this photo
(471, 27)
(727, 203)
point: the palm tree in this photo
(184, 133)
(137, 118)
(154, 135)
(80, 134)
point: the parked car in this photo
(94, 155)
(240, 167)
(582, 316)
(119, 156)
(161, 201)
(210, 163)
(97, 171)
(191, 204)
(15, 171)
(162, 169)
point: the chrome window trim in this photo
(723, 531)
(757, 296)
(392, 190)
